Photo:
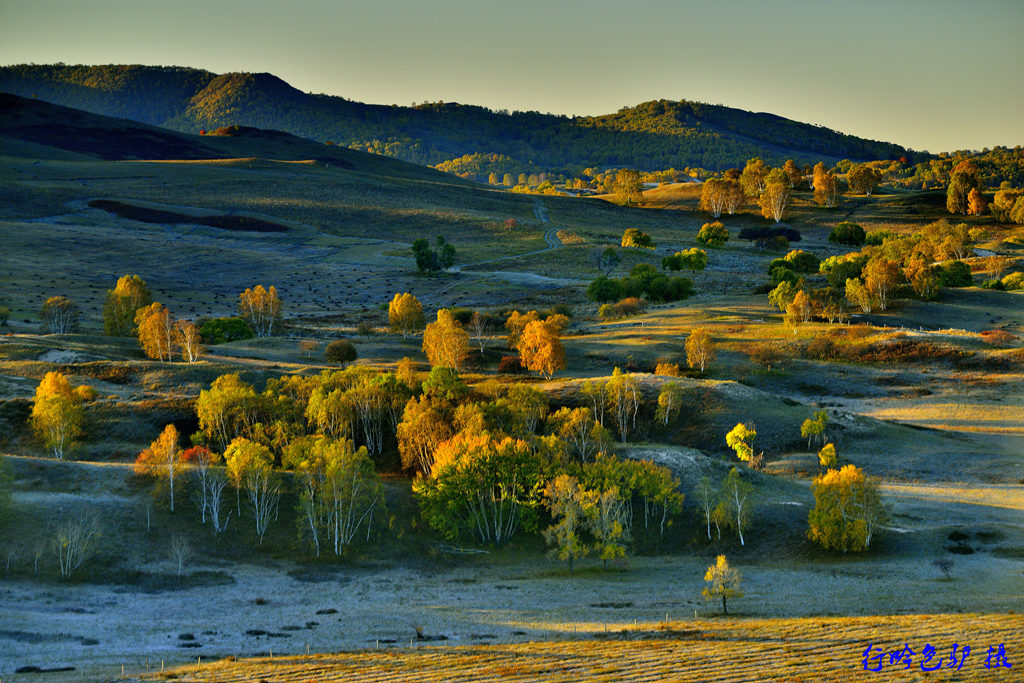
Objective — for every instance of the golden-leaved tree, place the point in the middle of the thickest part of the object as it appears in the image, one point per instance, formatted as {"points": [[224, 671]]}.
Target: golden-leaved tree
{"points": [[540, 348], [445, 342], [405, 314], [847, 510], [156, 331], [700, 350], [128, 295], [250, 469], [57, 414], [723, 581]]}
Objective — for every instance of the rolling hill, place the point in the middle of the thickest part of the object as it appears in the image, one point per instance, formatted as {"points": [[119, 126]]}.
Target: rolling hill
{"points": [[653, 135]]}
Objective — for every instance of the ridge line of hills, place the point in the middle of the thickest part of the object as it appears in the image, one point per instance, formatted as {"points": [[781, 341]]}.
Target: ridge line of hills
{"points": [[653, 135]]}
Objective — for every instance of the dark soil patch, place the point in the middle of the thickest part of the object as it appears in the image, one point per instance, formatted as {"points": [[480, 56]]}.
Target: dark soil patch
{"points": [[145, 215]]}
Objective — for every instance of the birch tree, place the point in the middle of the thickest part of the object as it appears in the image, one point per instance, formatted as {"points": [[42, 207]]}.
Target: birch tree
{"points": [[163, 459], [261, 309], [737, 494], [250, 469]]}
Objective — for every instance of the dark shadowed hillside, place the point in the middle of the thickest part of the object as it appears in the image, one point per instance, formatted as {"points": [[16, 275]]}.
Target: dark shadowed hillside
{"points": [[653, 135]]}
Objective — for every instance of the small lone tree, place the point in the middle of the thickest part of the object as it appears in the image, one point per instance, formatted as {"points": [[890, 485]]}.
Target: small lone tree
{"points": [[741, 439], [261, 309], [700, 350], [713, 234], [181, 550], [57, 414], [737, 499], [340, 351], [634, 238], [73, 543], [722, 581], [827, 457], [59, 314], [847, 510]]}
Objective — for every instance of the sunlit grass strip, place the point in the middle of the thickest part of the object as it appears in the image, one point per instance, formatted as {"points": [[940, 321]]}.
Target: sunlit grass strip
{"points": [[804, 649]]}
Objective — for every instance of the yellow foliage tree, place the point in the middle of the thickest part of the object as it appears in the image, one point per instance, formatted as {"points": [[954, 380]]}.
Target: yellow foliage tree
{"points": [[445, 342], [156, 331], [700, 350], [261, 308], [128, 295], [57, 415], [250, 468], [186, 336], [541, 349], [722, 581], [741, 439], [847, 510], [422, 429], [405, 314]]}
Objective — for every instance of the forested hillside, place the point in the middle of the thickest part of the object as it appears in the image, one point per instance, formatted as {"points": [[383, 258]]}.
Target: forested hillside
{"points": [[653, 135]]}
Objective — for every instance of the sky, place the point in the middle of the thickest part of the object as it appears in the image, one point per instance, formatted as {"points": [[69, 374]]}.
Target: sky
{"points": [[936, 75]]}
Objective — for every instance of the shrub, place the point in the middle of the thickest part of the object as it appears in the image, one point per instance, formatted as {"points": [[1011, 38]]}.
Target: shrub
{"points": [[630, 306], [802, 261], [462, 315], [876, 237], [222, 330], [847, 233], [510, 365], [668, 369], [340, 351], [993, 284], [607, 312], [955, 274], [604, 289], [783, 274], [1013, 281], [713, 234], [633, 238], [998, 337], [776, 243], [769, 355]]}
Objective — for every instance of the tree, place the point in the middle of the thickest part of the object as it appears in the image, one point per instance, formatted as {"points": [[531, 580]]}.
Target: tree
{"points": [[445, 342], [261, 309], [847, 233], [201, 461], [700, 350], [706, 497], [59, 315], [633, 238], [606, 514], [827, 457], [670, 399], [188, 340], [975, 202], [607, 260], [713, 196], [813, 428], [859, 295], [564, 500], [713, 234], [577, 427], [74, 543], [722, 581], [794, 175], [163, 459], [775, 196], [736, 495], [480, 328], [752, 180], [628, 186], [128, 295], [250, 468], [799, 310], [863, 179], [541, 349], [181, 550], [962, 181], [741, 439], [57, 414], [826, 186], [623, 392], [691, 259], [483, 487], [423, 428], [405, 314], [229, 408], [783, 294], [734, 197], [847, 510], [156, 331], [881, 275], [340, 351], [441, 257]]}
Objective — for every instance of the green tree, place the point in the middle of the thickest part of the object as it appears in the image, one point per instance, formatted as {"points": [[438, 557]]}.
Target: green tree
{"points": [[965, 177], [723, 581], [565, 502], [691, 259], [441, 257], [59, 315], [670, 400], [752, 180], [713, 234], [623, 397], [129, 294], [813, 428], [633, 238]]}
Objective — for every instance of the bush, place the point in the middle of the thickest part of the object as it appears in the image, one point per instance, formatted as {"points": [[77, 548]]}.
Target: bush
{"points": [[955, 274], [510, 365], [847, 233], [777, 243], [668, 369], [783, 274], [1013, 281], [340, 351], [604, 289], [607, 312], [633, 238], [462, 315], [222, 330], [630, 306], [993, 284], [802, 261], [876, 237], [713, 234]]}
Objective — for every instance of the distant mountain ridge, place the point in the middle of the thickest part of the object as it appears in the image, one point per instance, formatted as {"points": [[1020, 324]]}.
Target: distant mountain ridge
{"points": [[653, 135]]}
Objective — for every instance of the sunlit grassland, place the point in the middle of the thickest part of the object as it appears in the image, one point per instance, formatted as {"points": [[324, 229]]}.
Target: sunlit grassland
{"points": [[803, 649]]}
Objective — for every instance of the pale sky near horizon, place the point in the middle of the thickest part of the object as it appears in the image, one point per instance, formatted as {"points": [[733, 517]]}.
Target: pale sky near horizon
{"points": [[936, 75]]}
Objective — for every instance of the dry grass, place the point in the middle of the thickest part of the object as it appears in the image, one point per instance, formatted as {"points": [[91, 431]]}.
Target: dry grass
{"points": [[809, 649]]}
